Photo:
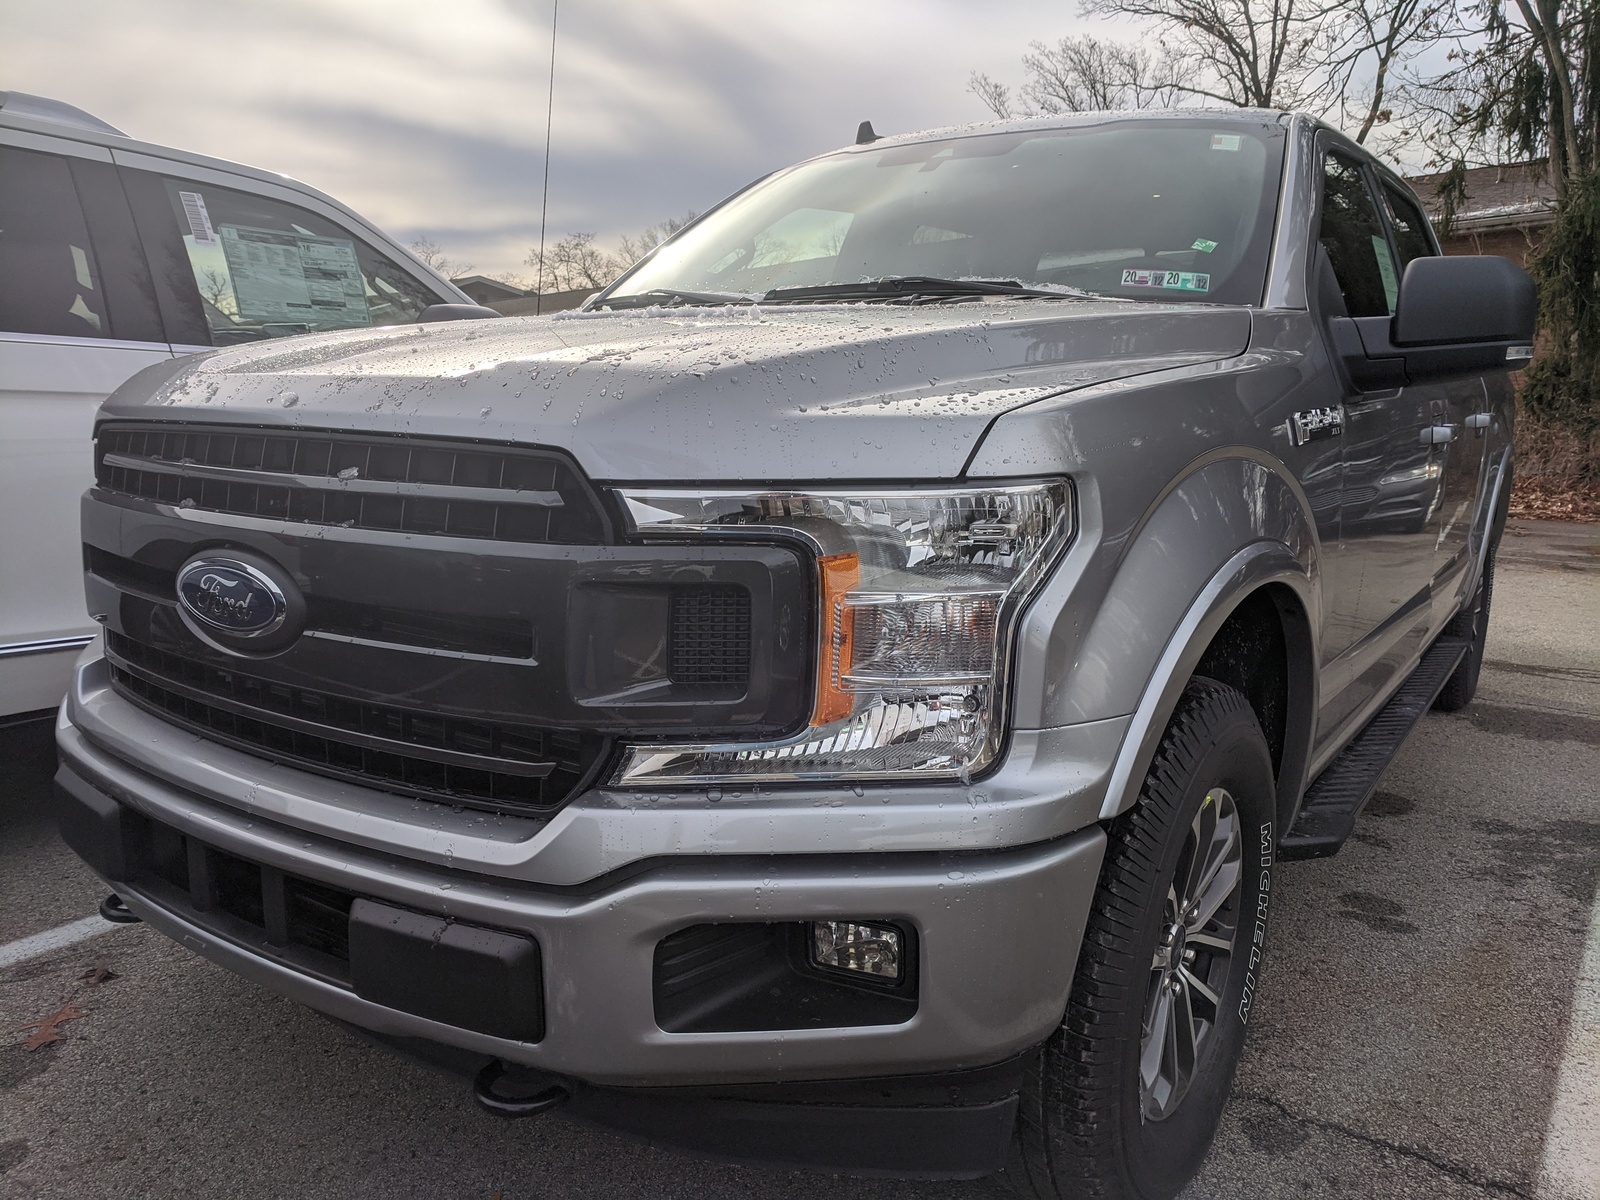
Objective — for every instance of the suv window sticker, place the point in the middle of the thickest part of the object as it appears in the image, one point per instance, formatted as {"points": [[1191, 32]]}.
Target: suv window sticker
{"points": [[281, 277]]}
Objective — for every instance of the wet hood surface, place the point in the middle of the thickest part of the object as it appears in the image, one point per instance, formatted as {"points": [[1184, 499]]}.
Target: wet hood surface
{"points": [[839, 392]]}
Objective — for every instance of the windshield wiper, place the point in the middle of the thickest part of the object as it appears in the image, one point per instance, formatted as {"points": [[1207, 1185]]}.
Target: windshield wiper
{"points": [[668, 297], [893, 287]]}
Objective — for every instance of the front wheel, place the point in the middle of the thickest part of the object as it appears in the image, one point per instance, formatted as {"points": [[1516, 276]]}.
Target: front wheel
{"points": [[1125, 1098]]}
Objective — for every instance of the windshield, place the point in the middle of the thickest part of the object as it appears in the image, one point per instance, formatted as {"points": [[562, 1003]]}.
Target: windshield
{"points": [[1145, 210]]}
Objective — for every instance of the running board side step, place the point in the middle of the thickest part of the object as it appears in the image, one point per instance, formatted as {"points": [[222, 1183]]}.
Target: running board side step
{"points": [[1332, 803]]}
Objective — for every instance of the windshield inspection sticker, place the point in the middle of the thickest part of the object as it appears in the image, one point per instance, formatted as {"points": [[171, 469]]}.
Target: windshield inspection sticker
{"points": [[1226, 141], [1204, 245], [1183, 281]]}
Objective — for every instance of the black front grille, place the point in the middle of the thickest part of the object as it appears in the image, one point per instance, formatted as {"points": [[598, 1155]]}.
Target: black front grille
{"points": [[461, 761], [500, 637], [504, 637], [364, 481], [709, 638]]}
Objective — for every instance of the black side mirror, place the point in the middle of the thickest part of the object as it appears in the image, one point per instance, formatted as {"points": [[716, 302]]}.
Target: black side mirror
{"points": [[456, 312], [1470, 298], [1461, 315]]}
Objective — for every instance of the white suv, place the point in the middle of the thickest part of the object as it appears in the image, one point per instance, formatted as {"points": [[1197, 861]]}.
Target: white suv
{"points": [[115, 255]]}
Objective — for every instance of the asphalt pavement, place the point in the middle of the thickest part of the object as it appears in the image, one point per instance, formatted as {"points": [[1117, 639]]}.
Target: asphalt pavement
{"points": [[1415, 1035]]}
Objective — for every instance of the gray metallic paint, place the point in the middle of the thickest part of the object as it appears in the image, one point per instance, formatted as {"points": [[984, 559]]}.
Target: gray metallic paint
{"points": [[998, 935], [1171, 420], [821, 394]]}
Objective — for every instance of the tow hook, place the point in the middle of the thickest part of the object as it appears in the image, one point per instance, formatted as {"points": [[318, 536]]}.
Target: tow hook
{"points": [[114, 910], [483, 1091]]}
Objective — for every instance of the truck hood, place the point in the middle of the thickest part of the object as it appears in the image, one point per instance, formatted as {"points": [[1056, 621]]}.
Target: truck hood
{"points": [[835, 392]]}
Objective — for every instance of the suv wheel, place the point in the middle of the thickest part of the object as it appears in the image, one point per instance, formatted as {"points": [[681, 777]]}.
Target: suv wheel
{"points": [[1124, 1099], [1472, 625]]}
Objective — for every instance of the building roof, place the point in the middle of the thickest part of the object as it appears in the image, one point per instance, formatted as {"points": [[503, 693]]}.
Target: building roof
{"points": [[1509, 196], [482, 283]]}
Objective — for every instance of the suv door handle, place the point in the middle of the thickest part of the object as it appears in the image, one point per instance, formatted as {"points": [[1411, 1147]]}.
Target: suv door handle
{"points": [[1438, 435], [1479, 422]]}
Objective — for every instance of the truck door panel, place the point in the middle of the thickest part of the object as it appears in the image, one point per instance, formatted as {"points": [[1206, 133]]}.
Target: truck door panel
{"points": [[1390, 492]]}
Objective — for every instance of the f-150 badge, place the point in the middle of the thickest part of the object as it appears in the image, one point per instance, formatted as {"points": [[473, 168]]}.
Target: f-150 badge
{"points": [[1315, 423]]}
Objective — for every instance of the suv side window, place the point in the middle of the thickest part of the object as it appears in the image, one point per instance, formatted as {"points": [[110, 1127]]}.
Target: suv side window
{"points": [[1355, 240], [49, 279], [260, 268], [1409, 225]]}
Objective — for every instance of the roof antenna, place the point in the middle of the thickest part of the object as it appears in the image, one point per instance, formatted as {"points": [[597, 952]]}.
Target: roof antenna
{"points": [[549, 113], [864, 134]]}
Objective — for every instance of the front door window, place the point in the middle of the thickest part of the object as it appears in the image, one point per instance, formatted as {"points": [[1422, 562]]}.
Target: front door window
{"points": [[264, 268]]}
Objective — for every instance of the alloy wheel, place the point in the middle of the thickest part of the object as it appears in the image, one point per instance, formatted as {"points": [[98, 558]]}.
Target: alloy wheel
{"points": [[1199, 929]]}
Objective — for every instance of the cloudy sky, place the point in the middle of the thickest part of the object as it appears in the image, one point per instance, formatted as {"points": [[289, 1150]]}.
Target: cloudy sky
{"points": [[428, 117]]}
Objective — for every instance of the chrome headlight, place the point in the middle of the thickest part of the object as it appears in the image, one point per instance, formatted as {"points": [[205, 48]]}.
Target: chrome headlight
{"points": [[918, 595]]}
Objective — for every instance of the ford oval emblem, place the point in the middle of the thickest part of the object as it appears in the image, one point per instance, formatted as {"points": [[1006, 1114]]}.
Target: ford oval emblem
{"points": [[232, 597]]}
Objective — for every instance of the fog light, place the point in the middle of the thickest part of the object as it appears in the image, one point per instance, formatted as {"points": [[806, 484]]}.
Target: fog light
{"points": [[850, 946]]}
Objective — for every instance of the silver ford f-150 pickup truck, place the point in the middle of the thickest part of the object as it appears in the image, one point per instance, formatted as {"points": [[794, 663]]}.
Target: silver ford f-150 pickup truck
{"points": [[840, 697]]}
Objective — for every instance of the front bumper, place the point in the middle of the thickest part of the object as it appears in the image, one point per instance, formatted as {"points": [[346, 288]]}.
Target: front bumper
{"points": [[997, 933]]}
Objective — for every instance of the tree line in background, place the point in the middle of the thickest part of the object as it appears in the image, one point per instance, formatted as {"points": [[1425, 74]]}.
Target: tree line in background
{"points": [[574, 262], [1461, 84]]}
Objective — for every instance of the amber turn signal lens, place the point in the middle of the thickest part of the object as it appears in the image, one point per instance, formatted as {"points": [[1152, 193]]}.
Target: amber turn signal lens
{"points": [[835, 648]]}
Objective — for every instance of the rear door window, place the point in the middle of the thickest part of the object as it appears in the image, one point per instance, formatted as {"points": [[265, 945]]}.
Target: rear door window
{"points": [[1409, 225], [50, 281], [1355, 240], [255, 267]]}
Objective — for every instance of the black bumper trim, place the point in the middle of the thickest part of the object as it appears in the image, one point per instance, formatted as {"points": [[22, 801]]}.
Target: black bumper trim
{"points": [[951, 1125], [485, 980]]}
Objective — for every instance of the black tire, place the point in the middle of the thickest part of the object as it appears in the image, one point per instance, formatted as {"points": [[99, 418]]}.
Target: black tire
{"points": [[1084, 1129], [1471, 624]]}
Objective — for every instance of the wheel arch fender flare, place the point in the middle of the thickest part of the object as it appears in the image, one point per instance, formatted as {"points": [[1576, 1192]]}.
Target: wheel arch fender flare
{"points": [[1260, 565]]}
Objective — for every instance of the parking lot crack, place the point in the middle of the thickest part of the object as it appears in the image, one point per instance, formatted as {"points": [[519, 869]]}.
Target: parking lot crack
{"points": [[1444, 1166]]}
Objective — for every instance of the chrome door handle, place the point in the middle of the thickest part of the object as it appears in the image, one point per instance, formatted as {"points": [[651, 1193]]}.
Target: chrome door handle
{"points": [[1438, 435], [1479, 422]]}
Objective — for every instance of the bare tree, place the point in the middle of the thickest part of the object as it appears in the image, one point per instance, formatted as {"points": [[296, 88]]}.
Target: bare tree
{"points": [[1341, 58], [216, 289], [632, 248], [996, 96], [1246, 52], [433, 255], [1080, 74], [1362, 48], [578, 261]]}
